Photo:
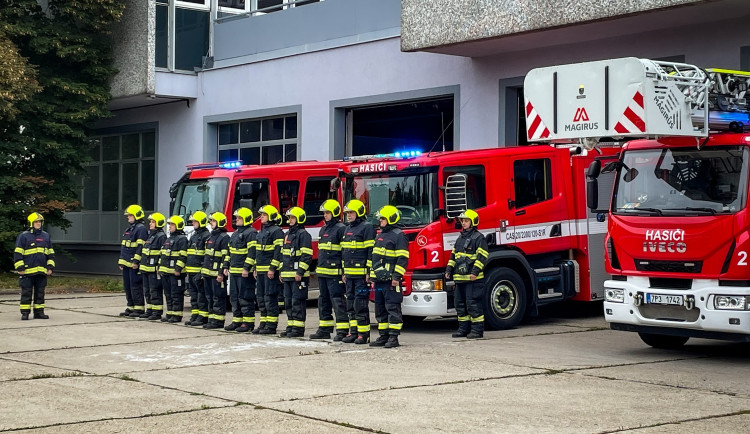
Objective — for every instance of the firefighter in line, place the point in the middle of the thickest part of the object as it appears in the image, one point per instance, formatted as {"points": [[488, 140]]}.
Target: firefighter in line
{"points": [[241, 285], [217, 247], [332, 296], [34, 260], [130, 258], [172, 267], [296, 253], [356, 251], [152, 285], [390, 256], [465, 267], [267, 261], [194, 280]]}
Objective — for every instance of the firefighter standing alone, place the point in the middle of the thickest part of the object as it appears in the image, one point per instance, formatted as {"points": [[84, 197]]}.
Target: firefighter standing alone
{"points": [[130, 258], [34, 259], [390, 256], [465, 266]]}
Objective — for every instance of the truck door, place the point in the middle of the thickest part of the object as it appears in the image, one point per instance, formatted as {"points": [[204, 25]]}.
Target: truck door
{"points": [[538, 219], [476, 199]]}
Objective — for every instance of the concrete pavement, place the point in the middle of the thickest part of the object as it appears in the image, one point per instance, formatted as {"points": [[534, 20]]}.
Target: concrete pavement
{"points": [[86, 369]]}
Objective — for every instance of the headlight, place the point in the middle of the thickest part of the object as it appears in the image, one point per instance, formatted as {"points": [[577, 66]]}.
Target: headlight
{"points": [[426, 285], [730, 302], [614, 295]]}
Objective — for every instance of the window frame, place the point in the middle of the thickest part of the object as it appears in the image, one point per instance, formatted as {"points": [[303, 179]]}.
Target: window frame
{"points": [[262, 144], [549, 185]]}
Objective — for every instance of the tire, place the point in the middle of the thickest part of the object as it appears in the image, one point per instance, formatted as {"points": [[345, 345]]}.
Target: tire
{"points": [[665, 342], [504, 300]]}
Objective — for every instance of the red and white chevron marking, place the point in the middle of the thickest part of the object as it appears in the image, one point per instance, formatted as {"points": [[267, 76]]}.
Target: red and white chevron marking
{"points": [[632, 120], [535, 128]]}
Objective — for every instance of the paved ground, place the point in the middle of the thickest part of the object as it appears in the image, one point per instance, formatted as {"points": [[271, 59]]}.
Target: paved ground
{"points": [[87, 370]]}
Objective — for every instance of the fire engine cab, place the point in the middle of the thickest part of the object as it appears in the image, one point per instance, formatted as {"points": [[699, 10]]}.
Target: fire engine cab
{"points": [[677, 221], [544, 244]]}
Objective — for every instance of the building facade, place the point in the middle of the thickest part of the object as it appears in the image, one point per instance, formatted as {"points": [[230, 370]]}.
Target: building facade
{"points": [[264, 81]]}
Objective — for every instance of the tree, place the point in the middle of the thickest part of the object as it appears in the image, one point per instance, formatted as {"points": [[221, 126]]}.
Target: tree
{"points": [[55, 68]]}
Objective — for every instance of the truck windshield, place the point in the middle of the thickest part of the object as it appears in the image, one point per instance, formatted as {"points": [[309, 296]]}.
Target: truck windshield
{"points": [[414, 195], [209, 195], [682, 181]]}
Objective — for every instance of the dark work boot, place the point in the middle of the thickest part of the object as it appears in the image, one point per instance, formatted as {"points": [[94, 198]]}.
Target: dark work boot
{"points": [[199, 321], [340, 335], [245, 327], [24, 316], [260, 327], [192, 318], [363, 338], [166, 318], [145, 314], [213, 324], [460, 334], [392, 342], [475, 335], [463, 329], [136, 314], [127, 312], [351, 337], [155, 315], [297, 332], [380, 341], [270, 329], [175, 318], [39, 314], [320, 334], [232, 326]]}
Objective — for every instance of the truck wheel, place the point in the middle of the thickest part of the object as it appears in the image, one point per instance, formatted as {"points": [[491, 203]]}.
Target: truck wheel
{"points": [[505, 299], [663, 341]]}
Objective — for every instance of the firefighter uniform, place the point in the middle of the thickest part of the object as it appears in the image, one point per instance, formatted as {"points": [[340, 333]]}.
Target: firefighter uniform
{"points": [[390, 256], [217, 248], [296, 254], [195, 254], [268, 258], [356, 250], [242, 284], [152, 285], [130, 256], [35, 258], [468, 259], [172, 269], [331, 299]]}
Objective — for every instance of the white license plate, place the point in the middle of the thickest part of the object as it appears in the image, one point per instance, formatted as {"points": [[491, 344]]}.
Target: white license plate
{"points": [[664, 299]]}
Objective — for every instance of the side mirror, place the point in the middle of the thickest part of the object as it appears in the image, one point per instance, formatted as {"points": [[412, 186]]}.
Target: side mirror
{"points": [[436, 213], [592, 185], [335, 185], [173, 191]]}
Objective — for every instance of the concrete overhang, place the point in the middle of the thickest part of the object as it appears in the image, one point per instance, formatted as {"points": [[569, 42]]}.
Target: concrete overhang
{"points": [[476, 28]]}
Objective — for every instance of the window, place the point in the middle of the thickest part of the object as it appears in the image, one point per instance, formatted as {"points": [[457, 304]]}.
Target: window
{"points": [[421, 125], [288, 192], [533, 181], [316, 192], [476, 191], [259, 141], [123, 172], [191, 20]]}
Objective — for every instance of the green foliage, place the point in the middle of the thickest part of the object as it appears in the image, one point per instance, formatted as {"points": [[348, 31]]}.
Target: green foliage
{"points": [[55, 68]]}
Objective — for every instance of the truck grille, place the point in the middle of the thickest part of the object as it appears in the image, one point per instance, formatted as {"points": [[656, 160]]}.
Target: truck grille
{"points": [[669, 313], [668, 266]]}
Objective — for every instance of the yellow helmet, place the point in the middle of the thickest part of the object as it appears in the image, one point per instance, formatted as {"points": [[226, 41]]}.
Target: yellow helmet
{"points": [[221, 219], [471, 215], [158, 219], [200, 217], [356, 206], [245, 214], [179, 222], [390, 213], [136, 211], [34, 216], [271, 212], [331, 206], [297, 213]]}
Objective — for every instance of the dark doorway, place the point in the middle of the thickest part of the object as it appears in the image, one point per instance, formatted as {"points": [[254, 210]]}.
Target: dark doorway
{"points": [[423, 125]]}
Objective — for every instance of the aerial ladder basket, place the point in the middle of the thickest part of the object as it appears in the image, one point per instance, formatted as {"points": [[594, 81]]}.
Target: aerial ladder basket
{"points": [[628, 98]]}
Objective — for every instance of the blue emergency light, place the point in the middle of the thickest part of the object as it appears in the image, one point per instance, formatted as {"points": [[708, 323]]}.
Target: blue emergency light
{"points": [[230, 164], [402, 154]]}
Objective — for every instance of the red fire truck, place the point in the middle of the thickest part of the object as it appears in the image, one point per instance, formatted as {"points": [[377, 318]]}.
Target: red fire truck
{"points": [[226, 186], [545, 245], [678, 229]]}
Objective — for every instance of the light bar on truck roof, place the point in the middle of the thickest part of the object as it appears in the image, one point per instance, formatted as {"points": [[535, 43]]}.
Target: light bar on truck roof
{"points": [[402, 154], [218, 165]]}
